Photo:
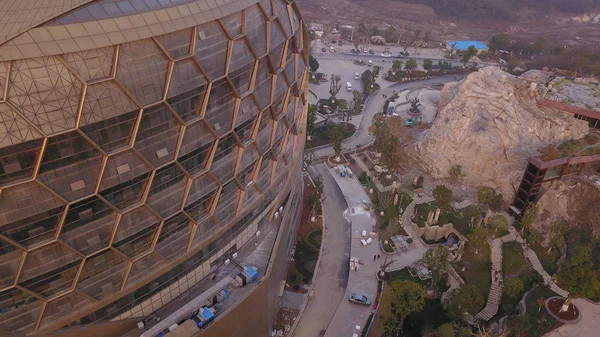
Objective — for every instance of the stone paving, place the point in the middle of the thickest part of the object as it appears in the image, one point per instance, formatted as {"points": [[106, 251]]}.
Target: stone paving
{"points": [[588, 326]]}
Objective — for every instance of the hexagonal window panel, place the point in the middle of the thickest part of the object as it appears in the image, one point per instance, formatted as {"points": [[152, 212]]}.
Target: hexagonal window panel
{"points": [[264, 82], [246, 118], [142, 68], [245, 172], [108, 116], [280, 95], [264, 172], [125, 179], [4, 75], [204, 230], [277, 44], [290, 64], [102, 274], [88, 226], [280, 167], [70, 166], [211, 49], [157, 135], [140, 268], [241, 66], [18, 161], [201, 196], [284, 16], [265, 131], [225, 158], [174, 236], [221, 104], [92, 64], [233, 23], [62, 307], [228, 200], [280, 133], [267, 6], [50, 270], [296, 22], [167, 189], [10, 258], [187, 90], [289, 149], [136, 231], [251, 196], [20, 310], [256, 29], [177, 44], [46, 93], [30, 214], [289, 111], [195, 149]]}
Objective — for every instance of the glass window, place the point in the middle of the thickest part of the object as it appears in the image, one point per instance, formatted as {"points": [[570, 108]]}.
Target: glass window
{"points": [[267, 6], [264, 173], [124, 179], [29, 213], [166, 191], [277, 44], [211, 49], [49, 270], [264, 83], [70, 166], [92, 64], [204, 230], [112, 133], [174, 236], [283, 15], [256, 29], [247, 165], [177, 44], [88, 225], [221, 103], [136, 232], [265, 131], [140, 268], [248, 111], [10, 258], [142, 68], [63, 306], [187, 90], [251, 195], [226, 207], [17, 161], [200, 197], [225, 158], [195, 147], [103, 101], [102, 274], [20, 310], [157, 135], [233, 23], [244, 131], [241, 66]]}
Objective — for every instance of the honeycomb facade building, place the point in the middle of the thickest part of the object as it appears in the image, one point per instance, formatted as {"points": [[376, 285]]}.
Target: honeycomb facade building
{"points": [[141, 142]]}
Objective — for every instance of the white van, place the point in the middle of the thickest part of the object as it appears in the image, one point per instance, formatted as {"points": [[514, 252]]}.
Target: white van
{"points": [[356, 76], [348, 86], [332, 49], [370, 63]]}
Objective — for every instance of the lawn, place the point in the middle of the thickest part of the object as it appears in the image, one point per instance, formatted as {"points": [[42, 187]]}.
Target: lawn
{"points": [[477, 269], [403, 274], [460, 219], [514, 265], [323, 135], [536, 321], [548, 260]]}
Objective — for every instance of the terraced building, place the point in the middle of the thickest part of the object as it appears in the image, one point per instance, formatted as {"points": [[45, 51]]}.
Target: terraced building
{"points": [[143, 143]]}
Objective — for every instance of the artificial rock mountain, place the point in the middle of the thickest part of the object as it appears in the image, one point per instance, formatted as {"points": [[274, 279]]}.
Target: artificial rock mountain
{"points": [[489, 123]]}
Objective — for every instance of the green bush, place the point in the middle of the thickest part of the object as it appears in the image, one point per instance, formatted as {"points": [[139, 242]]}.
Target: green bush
{"points": [[570, 146], [591, 139], [443, 195], [363, 178], [293, 278]]}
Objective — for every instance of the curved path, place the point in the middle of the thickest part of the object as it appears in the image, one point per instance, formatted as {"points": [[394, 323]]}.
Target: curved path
{"points": [[374, 105], [332, 275]]}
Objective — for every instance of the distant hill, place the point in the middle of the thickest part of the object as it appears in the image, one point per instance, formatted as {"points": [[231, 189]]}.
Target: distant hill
{"points": [[503, 9]]}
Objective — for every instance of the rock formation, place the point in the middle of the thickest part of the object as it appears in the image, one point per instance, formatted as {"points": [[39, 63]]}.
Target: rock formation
{"points": [[489, 123]]}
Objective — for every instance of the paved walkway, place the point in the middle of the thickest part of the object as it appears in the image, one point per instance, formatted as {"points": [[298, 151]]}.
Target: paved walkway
{"points": [[589, 326], [332, 274]]}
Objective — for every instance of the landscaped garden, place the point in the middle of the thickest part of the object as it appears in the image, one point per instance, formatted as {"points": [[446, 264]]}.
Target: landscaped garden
{"points": [[323, 135], [536, 321], [475, 268]]}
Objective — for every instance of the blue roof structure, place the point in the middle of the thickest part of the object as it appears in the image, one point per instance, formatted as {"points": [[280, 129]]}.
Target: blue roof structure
{"points": [[207, 314], [464, 45], [252, 272]]}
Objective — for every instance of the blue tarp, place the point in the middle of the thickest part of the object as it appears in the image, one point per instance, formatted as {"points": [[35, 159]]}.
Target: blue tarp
{"points": [[390, 110], [464, 45], [206, 314], [253, 273]]}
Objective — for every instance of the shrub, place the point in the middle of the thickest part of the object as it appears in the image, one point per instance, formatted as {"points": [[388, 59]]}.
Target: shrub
{"points": [[419, 182], [442, 194], [570, 146], [514, 287], [455, 172], [409, 240], [293, 278], [363, 178], [591, 138], [296, 287]]}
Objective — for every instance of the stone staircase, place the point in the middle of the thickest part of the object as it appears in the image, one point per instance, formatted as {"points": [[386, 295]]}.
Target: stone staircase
{"points": [[491, 308]]}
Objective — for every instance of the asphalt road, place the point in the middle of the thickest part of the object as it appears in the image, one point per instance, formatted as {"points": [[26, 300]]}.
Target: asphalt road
{"points": [[332, 272], [362, 137], [353, 57]]}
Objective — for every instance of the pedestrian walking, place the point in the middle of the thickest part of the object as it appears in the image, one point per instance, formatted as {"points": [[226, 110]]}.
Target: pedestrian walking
{"points": [[378, 257], [374, 257]]}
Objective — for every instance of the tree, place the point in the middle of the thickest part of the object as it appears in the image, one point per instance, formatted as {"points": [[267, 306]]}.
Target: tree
{"points": [[374, 74], [313, 63], [311, 118], [443, 195], [485, 195], [498, 222], [410, 65], [308, 159], [455, 172], [467, 298], [407, 297], [514, 287], [335, 85], [337, 136], [529, 217], [468, 54], [500, 42], [397, 65], [366, 79], [357, 99], [558, 229], [577, 276], [427, 65], [389, 151], [379, 129], [478, 237], [436, 260], [445, 330]]}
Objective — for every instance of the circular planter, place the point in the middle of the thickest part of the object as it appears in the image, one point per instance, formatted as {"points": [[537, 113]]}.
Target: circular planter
{"points": [[569, 316]]}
